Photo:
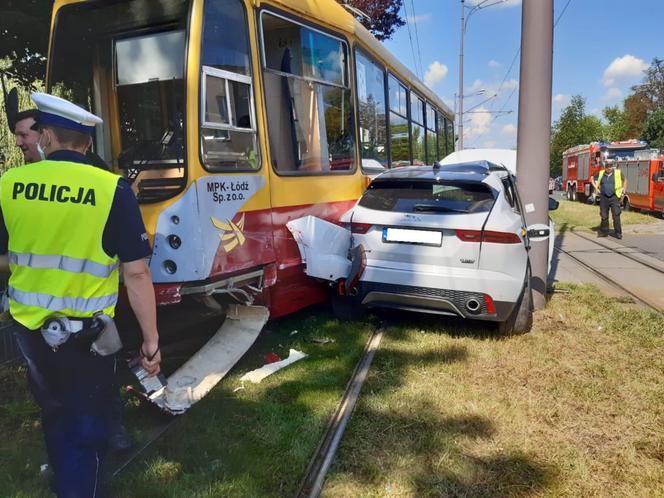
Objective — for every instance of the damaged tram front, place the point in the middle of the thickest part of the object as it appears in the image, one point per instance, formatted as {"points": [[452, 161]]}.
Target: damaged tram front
{"points": [[232, 117]]}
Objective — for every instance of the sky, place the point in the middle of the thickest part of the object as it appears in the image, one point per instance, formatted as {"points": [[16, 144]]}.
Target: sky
{"points": [[601, 48]]}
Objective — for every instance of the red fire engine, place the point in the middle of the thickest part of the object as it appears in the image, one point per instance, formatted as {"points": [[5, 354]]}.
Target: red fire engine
{"points": [[582, 162], [645, 181]]}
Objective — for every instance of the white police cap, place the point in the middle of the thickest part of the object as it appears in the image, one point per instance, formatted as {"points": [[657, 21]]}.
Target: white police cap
{"points": [[60, 112]]}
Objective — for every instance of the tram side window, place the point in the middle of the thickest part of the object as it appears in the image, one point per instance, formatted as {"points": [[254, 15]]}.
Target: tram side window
{"points": [[308, 99], [432, 149], [417, 129], [450, 136], [228, 120], [441, 131], [372, 111], [399, 139]]}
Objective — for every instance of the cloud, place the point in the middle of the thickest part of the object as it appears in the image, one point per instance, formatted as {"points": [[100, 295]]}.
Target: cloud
{"points": [[612, 93], [421, 18], [493, 88], [561, 99], [494, 64], [504, 3], [623, 68], [489, 144], [436, 72], [509, 129], [480, 122]]}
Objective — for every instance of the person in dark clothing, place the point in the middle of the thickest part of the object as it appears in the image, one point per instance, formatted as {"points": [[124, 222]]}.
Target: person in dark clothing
{"points": [[611, 187]]}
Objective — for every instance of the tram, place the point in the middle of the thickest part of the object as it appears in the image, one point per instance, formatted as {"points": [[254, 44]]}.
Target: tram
{"points": [[231, 118]]}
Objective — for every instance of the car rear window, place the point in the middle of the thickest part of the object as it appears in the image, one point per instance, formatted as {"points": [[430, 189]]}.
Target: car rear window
{"points": [[428, 197]]}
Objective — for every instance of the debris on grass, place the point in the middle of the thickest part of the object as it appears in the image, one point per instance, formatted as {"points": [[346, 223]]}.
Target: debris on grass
{"points": [[256, 376], [294, 332], [271, 358], [321, 340]]}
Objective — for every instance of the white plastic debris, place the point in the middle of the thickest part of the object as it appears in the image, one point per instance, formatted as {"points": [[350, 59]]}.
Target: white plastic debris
{"points": [[294, 332], [323, 247], [259, 374]]}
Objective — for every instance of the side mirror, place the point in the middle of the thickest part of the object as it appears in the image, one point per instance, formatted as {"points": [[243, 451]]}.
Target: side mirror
{"points": [[553, 204]]}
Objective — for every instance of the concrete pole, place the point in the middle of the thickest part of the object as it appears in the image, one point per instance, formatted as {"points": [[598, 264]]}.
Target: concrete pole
{"points": [[460, 127], [535, 129]]}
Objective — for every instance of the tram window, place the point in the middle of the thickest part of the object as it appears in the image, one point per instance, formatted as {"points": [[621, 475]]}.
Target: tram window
{"points": [[432, 153], [399, 137], [450, 136], [417, 129], [307, 92], [441, 129], [228, 129], [371, 109]]}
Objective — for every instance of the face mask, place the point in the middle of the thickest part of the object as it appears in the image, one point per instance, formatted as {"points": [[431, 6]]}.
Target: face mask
{"points": [[40, 150]]}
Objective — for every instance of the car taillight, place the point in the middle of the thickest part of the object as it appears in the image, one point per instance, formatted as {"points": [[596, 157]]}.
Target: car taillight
{"points": [[488, 236], [360, 227], [490, 308]]}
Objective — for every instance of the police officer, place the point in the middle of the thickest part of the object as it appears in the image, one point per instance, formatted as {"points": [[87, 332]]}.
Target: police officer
{"points": [[611, 187], [26, 135], [67, 230]]}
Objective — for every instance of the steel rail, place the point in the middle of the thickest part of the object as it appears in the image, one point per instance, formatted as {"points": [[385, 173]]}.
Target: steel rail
{"points": [[615, 250], [319, 465], [643, 301]]}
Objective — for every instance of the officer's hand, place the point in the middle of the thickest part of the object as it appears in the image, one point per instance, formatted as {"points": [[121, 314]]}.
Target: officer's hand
{"points": [[150, 359]]}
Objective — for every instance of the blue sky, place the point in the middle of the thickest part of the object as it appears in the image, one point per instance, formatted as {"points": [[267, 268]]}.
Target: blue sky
{"points": [[600, 50]]}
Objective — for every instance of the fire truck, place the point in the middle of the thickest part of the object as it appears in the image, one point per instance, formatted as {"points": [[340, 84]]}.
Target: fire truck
{"points": [[645, 181], [582, 162]]}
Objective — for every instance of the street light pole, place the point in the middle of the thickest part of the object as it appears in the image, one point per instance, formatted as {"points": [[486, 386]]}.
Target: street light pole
{"points": [[461, 31]]}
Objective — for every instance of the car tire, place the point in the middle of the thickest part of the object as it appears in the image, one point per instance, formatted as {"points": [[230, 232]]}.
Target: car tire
{"points": [[626, 205], [347, 309], [520, 320]]}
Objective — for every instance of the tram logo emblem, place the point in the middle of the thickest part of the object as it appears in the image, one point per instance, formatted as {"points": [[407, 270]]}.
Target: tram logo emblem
{"points": [[232, 236]]}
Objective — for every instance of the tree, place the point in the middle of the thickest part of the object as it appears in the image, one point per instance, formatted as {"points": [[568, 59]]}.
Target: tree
{"points": [[573, 128], [384, 16], [651, 90], [616, 127], [653, 131], [24, 28]]}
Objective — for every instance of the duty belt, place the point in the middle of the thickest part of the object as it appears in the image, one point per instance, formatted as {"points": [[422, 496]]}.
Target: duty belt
{"points": [[58, 329]]}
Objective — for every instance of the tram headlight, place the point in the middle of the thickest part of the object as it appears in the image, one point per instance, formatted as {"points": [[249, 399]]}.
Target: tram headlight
{"points": [[174, 241], [170, 266]]}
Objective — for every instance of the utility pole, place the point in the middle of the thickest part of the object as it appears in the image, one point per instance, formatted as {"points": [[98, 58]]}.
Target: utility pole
{"points": [[535, 130], [461, 32]]}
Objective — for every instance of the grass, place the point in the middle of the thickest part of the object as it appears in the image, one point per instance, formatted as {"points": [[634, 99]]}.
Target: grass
{"points": [[580, 215], [573, 409], [252, 442], [576, 408]]}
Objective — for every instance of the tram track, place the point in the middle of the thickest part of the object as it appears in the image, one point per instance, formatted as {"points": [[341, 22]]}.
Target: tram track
{"points": [[643, 300]]}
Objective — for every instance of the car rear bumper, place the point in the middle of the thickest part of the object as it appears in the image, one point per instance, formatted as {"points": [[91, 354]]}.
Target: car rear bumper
{"points": [[450, 293]]}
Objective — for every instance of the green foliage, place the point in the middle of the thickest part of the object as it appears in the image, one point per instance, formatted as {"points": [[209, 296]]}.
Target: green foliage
{"points": [[574, 127], [653, 131], [616, 127], [24, 25], [384, 16]]}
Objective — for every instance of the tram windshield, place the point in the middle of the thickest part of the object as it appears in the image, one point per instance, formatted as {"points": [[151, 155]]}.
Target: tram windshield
{"points": [[125, 62]]}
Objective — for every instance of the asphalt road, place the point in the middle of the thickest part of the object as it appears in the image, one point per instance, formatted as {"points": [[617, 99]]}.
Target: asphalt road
{"points": [[650, 244]]}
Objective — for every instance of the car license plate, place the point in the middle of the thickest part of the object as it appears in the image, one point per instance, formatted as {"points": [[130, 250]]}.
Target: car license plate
{"points": [[409, 236]]}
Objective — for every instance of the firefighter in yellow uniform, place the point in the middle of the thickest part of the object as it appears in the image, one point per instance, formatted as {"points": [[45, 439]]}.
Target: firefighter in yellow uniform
{"points": [[67, 230]]}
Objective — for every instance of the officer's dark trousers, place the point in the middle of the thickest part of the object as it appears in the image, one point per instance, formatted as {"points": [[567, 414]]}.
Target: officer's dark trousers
{"points": [[612, 203], [74, 390]]}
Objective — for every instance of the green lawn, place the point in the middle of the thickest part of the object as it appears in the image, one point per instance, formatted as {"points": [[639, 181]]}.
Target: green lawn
{"points": [[575, 408], [255, 442], [580, 215]]}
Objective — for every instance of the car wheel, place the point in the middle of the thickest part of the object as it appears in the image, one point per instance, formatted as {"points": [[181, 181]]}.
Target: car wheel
{"points": [[626, 205], [520, 320], [347, 308]]}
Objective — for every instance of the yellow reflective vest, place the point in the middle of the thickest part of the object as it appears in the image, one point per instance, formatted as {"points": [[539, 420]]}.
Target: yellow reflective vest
{"points": [[618, 181], [55, 213]]}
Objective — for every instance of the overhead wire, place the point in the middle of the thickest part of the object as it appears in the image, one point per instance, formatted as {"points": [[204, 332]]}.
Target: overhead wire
{"points": [[509, 70], [410, 38], [417, 38]]}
